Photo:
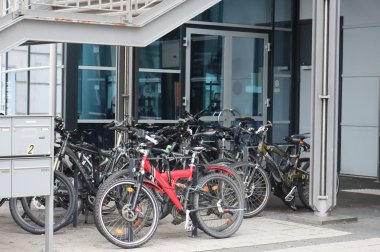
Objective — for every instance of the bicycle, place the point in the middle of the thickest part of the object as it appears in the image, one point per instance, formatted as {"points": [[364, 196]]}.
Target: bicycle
{"points": [[287, 176], [136, 209]]}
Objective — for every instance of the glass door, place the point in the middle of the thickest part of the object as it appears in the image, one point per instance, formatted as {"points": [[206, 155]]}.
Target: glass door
{"points": [[207, 74], [226, 70]]}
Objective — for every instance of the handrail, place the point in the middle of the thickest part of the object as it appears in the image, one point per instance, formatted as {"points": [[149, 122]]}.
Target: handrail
{"points": [[126, 8]]}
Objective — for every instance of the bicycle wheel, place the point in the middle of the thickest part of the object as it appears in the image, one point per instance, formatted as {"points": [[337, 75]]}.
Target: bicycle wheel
{"points": [[303, 186], [225, 168], [117, 222], [227, 117], [256, 188], [64, 200], [22, 219], [219, 206], [164, 205]]}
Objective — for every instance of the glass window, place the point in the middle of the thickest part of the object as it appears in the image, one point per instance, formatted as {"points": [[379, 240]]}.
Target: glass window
{"points": [[17, 93], [159, 96], [282, 88], [39, 91], [283, 13], [18, 58], [245, 12], [282, 52], [98, 55], [103, 138], [164, 53], [96, 94], [282, 84], [206, 74], [159, 89], [247, 76]]}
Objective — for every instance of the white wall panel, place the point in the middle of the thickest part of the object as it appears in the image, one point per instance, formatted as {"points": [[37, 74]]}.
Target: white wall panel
{"points": [[360, 150], [359, 12], [361, 51], [360, 101]]}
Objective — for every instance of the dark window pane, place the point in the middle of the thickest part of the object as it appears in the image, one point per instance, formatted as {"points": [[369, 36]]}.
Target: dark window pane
{"points": [[100, 136], [206, 80], [245, 12], [159, 96]]}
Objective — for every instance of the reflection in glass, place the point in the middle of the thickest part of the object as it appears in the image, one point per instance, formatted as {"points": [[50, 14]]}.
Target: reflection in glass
{"points": [[98, 55], [206, 74], [282, 52], [247, 76], [159, 96], [17, 93], [161, 54], [39, 91], [96, 94], [245, 12], [18, 58], [283, 13], [101, 137]]}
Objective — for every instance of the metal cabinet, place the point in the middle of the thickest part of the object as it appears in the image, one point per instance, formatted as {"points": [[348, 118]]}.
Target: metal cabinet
{"points": [[26, 155], [31, 176]]}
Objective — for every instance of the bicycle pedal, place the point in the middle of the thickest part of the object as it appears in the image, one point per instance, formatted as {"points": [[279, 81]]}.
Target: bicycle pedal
{"points": [[289, 197]]}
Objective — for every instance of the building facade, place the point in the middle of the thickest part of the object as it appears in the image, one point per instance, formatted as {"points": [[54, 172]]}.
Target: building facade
{"points": [[253, 56]]}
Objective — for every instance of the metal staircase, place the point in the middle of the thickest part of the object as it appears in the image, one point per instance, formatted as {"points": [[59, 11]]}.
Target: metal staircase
{"points": [[107, 22]]}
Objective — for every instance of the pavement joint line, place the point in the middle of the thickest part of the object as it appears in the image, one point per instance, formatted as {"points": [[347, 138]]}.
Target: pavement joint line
{"points": [[363, 191], [355, 245]]}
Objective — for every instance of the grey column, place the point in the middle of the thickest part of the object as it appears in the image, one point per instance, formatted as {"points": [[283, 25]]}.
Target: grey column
{"points": [[324, 111]]}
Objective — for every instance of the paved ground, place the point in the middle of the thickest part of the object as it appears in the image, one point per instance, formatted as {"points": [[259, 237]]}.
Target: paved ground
{"points": [[271, 231]]}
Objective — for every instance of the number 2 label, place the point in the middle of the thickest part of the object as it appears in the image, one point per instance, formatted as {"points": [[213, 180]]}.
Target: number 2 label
{"points": [[30, 150]]}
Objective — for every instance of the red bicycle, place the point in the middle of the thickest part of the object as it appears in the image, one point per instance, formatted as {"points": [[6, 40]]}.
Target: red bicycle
{"points": [[127, 212]]}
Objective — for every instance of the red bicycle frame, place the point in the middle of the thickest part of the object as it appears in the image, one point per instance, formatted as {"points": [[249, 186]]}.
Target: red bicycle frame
{"points": [[162, 178]]}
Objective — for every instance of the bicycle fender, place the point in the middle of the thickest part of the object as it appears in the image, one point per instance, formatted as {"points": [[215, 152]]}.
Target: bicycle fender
{"points": [[219, 168], [152, 185]]}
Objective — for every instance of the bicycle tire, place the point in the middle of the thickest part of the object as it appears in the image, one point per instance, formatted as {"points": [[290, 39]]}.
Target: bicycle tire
{"points": [[64, 200], [229, 217], [223, 167], [256, 188], [120, 235], [303, 187], [22, 220], [165, 205]]}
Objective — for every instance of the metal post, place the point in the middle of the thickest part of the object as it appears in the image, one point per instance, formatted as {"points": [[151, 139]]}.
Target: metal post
{"points": [[49, 215], [325, 80]]}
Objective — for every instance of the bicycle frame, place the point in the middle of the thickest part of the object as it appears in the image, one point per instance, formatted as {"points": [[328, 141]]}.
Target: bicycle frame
{"points": [[162, 178]]}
